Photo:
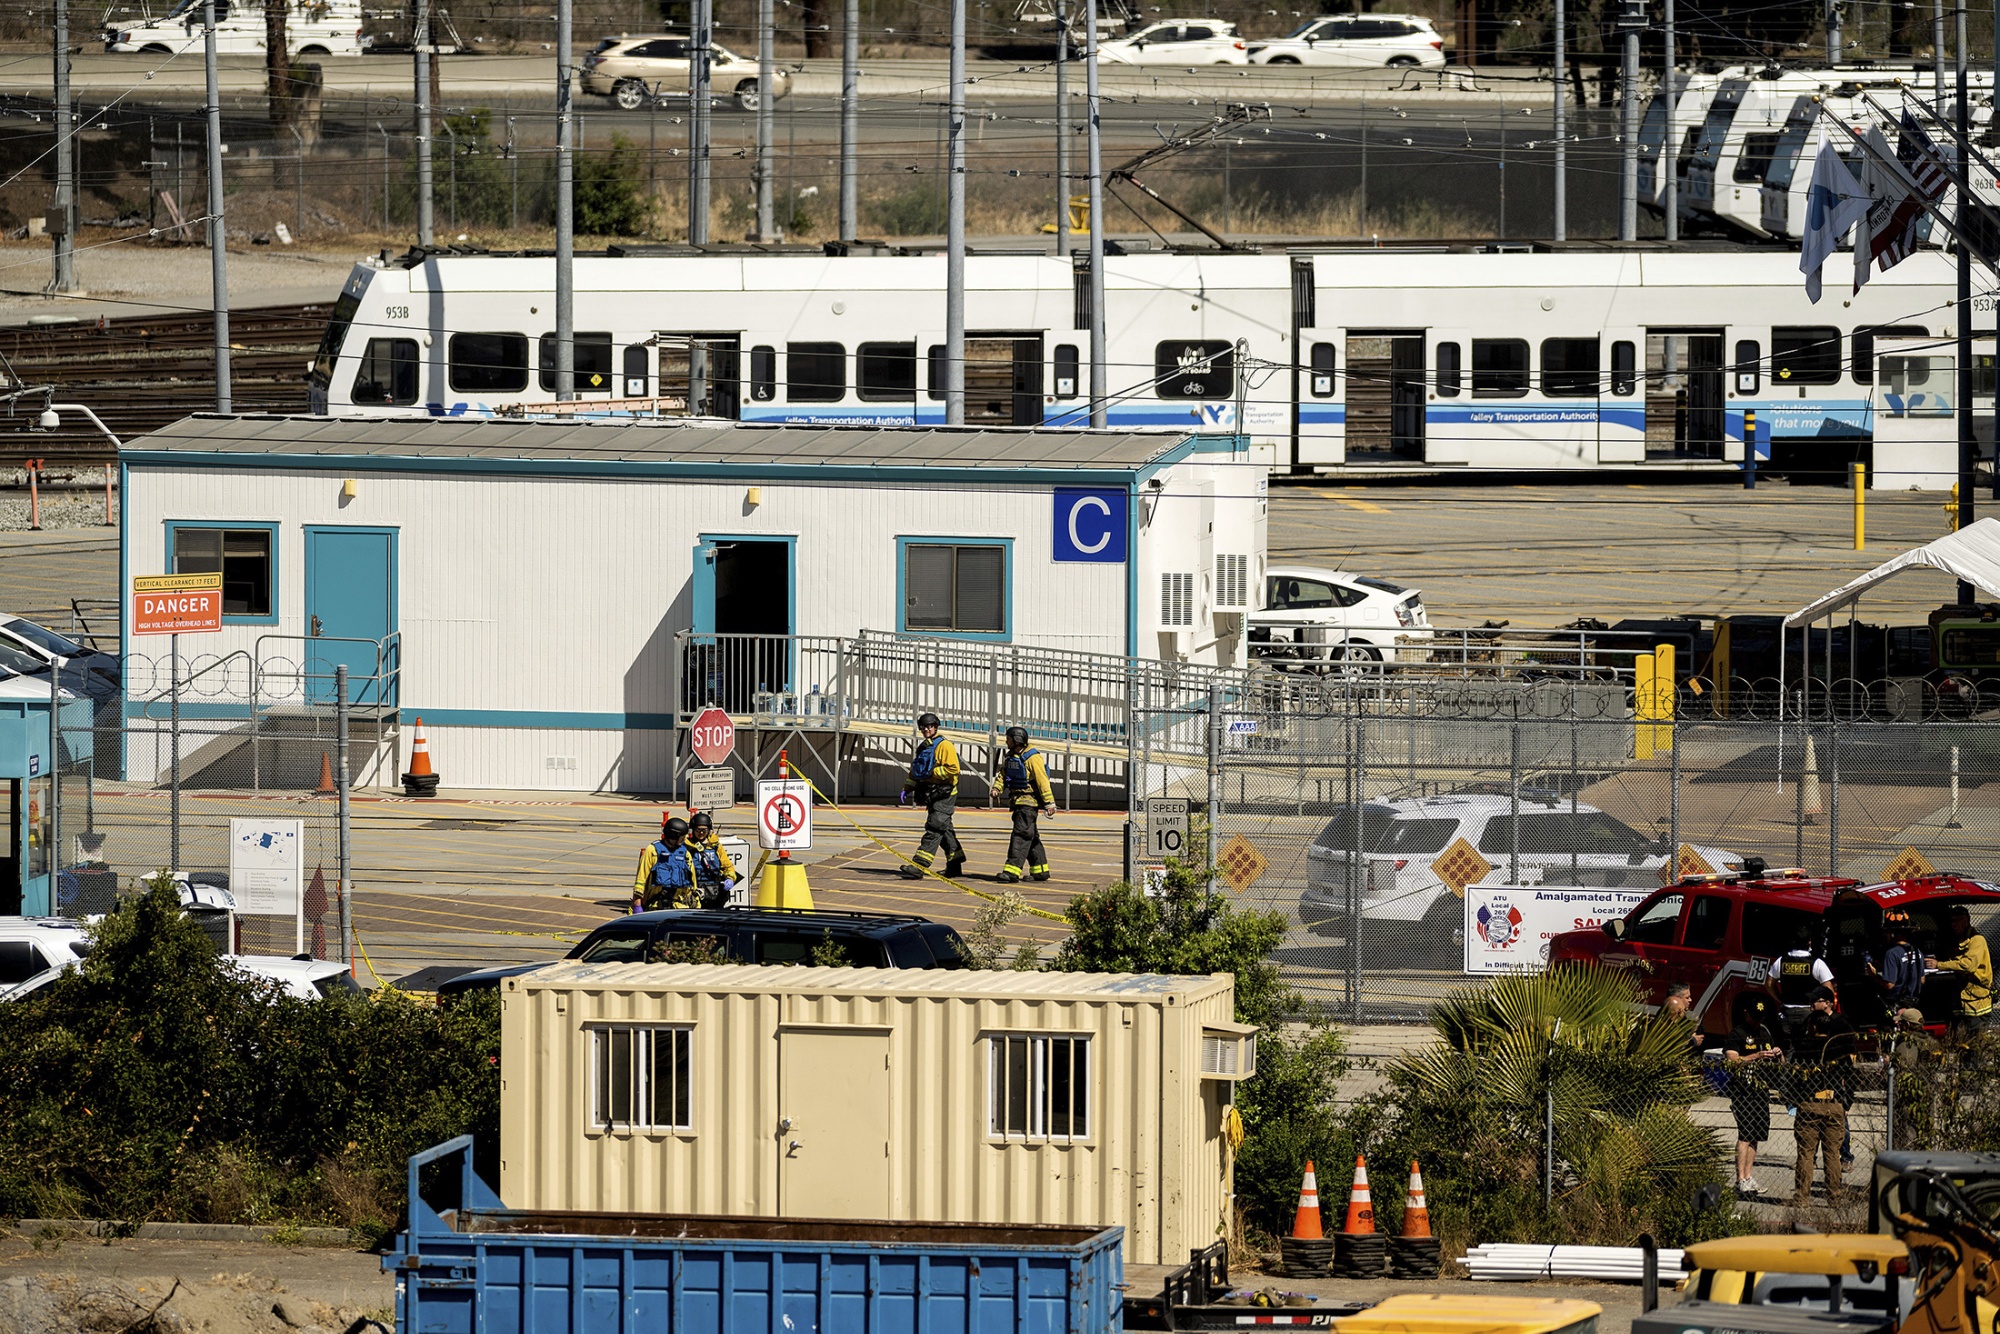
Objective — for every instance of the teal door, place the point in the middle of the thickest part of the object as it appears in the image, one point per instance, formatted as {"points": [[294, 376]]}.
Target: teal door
{"points": [[351, 612]]}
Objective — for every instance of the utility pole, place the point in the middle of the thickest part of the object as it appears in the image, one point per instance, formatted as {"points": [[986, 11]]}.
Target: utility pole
{"points": [[1062, 127], [1669, 169], [1937, 60], [702, 40], [218, 255], [565, 213], [766, 231], [1968, 439], [850, 121], [1629, 21], [1833, 42], [63, 234], [1094, 109], [1561, 68], [420, 64], [954, 228]]}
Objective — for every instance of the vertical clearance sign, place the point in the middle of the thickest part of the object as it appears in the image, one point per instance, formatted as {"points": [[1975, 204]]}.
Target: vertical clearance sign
{"points": [[176, 604]]}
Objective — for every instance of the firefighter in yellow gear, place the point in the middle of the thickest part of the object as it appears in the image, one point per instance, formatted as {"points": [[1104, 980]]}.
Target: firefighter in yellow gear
{"points": [[715, 873], [933, 781], [666, 870], [1026, 781]]}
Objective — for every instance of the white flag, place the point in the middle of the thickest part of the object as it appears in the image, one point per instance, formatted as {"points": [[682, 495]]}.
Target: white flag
{"points": [[1834, 202]]}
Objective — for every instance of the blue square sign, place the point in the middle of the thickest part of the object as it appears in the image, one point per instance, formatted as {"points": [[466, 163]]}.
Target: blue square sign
{"points": [[1090, 526]]}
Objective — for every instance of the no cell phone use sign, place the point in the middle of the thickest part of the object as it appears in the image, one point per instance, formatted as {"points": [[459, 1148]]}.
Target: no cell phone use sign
{"points": [[784, 815], [176, 604]]}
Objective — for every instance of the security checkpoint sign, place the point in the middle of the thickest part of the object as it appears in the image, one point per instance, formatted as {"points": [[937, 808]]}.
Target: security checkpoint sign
{"points": [[176, 604], [1090, 526], [784, 815], [713, 736], [711, 789]]}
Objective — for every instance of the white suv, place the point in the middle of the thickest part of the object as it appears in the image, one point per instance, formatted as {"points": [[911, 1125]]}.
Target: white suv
{"points": [[1357, 41], [1317, 618], [1178, 42], [1415, 872], [29, 945]]}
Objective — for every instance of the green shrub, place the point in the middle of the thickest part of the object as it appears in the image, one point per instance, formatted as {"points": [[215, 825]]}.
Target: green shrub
{"points": [[609, 198]]}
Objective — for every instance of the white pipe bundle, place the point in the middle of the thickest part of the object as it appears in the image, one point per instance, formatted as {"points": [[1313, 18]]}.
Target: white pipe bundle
{"points": [[1512, 1262]]}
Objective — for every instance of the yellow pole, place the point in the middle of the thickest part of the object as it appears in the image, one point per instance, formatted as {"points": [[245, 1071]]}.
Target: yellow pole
{"points": [[1644, 705], [1951, 507], [1859, 473], [1666, 697]]}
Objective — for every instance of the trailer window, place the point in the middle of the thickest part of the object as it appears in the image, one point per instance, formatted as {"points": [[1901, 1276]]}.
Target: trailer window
{"points": [[815, 372], [489, 363], [1038, 1088], [886, 372], [955, 589], [1499, 367], [1448, 372], [388, 373], [642, 1077], [1569, 367], [1863, 363], [1807, 355], [242, 556]]}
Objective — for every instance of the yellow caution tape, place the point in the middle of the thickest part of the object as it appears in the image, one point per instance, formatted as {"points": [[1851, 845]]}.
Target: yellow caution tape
{"points": [[942, 879]]}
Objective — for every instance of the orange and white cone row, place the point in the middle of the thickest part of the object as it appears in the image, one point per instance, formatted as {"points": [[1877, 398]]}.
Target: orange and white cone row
{"points": [[1360, 1205], [1416, 1214], [1306, 1223]]}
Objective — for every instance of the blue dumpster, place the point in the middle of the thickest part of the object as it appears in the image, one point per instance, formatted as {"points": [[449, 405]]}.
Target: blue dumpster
{"points": [[482, 1268]]}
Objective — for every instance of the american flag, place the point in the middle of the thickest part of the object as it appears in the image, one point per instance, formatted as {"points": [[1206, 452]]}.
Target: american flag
{"points": [[1918, 155]]}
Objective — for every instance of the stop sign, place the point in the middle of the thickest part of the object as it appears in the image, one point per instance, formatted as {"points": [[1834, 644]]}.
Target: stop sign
{"points": [[713, 736]]}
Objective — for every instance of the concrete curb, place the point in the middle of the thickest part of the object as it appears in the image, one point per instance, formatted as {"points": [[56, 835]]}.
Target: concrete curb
{"points": [[108, 1228]]}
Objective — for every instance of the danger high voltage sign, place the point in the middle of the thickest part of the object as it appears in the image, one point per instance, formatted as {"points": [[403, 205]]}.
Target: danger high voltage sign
{"points": [[176, 604]]}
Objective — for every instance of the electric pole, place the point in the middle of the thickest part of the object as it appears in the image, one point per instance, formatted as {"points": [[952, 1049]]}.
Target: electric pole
{"points": [[420, 64], [62, 232], [218, 255], [565, 213]]}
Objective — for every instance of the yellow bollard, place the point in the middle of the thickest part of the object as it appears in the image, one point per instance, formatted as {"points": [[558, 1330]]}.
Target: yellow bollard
{"points": [[1665, 698], [1858, 473], [1951, 507], [1644, 701], [783, 885]]}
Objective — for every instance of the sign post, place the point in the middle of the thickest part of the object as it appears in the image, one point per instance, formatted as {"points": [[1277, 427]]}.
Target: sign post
{"points": [[267, 870], [784, 824], [174, 605]]}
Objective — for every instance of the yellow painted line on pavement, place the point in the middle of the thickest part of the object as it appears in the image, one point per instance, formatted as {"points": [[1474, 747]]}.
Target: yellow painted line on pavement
{"points": [[1366, 507]]}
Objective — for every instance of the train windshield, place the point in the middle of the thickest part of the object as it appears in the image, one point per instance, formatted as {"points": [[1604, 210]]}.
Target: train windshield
{"points": [[336, 334], [1791, 147]]}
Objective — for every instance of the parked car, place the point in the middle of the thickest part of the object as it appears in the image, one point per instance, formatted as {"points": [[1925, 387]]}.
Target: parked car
{"points": [[629, 70], [1317, 618], [1721, 935], [298, 976], [753, 935], [1178, 42], [1411, 895], [82, 671], [324, 28], [31, 945], [25, 677], [1357, 41]]}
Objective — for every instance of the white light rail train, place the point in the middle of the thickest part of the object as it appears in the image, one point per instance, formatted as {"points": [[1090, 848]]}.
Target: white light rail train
{"points": [[1413, 360]]}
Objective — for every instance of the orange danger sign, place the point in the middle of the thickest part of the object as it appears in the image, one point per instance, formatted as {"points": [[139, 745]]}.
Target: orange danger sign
{"points": [[176, 604]]}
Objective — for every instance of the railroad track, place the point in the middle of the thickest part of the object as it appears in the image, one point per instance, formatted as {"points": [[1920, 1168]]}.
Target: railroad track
{"points": [[140, 373]]}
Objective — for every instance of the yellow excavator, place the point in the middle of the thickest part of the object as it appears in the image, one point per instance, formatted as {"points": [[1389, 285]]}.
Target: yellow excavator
{"points": [[1930, 1264]]}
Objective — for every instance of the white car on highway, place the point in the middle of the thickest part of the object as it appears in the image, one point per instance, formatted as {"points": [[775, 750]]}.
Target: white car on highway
{"points": [[1178, 42], [1317, 618], [1357, 41], [325, 28]]}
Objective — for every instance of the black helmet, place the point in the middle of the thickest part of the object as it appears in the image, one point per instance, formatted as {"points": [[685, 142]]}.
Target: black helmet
{"points": [[1017, 736], [701, 820], [676, 827], [928, 720]]}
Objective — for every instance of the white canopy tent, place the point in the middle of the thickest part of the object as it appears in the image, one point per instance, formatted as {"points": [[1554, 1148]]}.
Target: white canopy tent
{"points": [[1971, 554]]}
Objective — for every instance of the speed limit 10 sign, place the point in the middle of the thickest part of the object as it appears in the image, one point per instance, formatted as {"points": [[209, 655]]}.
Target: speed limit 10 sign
{"points": [[1166, 826]]}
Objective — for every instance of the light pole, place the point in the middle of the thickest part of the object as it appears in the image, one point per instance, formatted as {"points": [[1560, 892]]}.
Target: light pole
{"points": [[51, 418]]}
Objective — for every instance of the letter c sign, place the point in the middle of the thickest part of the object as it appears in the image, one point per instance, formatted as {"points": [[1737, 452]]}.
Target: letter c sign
{"points": [[1090, 526]]}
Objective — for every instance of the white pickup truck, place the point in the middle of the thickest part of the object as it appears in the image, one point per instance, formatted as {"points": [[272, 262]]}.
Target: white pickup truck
{"points": [[313, 28]]}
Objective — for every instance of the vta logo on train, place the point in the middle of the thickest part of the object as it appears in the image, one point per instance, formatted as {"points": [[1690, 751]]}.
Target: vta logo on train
{"points": [[1499, 922]]}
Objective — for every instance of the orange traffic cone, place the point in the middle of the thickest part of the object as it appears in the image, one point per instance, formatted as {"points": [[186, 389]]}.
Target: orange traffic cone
{"points": [[325, 788], [1360, 1206], [420, 781], [1305, 1223], [1416, 1215]]}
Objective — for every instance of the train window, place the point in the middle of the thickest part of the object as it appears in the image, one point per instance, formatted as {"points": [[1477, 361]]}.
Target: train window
{"points": [[488, 363], [388, 373], [1499, 367], [934, 373], [1448, 370], [1322, 370], [1746, 366], [1805, 355], [815, 372], [1194, 368], [1066, 371], [1624, 368], [1864, 346], [763, 374], [886, 372], [590, 364], [636, 371], [1569, 367]]}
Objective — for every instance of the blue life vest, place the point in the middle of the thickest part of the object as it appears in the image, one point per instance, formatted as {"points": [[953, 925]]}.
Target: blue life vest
{"points": [[924, 763], [1015, 770], [672, 868], [707, 865]]}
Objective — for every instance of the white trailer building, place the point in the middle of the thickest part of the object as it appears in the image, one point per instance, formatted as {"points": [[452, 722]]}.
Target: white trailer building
{"points": [[521, 586]]}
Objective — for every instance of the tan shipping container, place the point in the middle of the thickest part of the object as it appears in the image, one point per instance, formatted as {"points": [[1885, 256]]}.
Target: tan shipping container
{"points": [[918, 1095]]}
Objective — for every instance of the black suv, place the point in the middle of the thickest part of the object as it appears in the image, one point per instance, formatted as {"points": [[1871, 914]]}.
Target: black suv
{"points": [[754, 935]]}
